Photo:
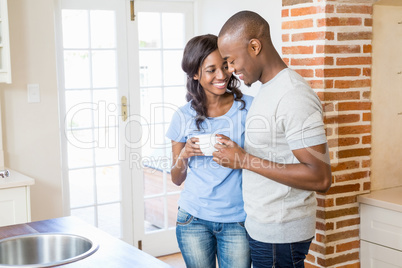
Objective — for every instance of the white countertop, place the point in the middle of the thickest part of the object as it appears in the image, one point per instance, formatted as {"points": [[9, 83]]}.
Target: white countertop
{"points": [[16, 179], [389, 198]]}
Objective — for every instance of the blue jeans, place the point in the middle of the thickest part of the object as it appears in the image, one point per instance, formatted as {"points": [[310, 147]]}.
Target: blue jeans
{"points": [[267, 255], [201, 242]]}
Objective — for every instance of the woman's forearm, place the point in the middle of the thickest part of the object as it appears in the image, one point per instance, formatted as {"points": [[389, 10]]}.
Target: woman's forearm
{"points": [[179, 170]]}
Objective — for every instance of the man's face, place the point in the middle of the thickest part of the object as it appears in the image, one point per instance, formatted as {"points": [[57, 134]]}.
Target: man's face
{"points": [[240, 61]]}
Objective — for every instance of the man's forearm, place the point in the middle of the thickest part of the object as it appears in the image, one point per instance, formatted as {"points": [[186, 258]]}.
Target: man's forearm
{"points": [[301, 175]]}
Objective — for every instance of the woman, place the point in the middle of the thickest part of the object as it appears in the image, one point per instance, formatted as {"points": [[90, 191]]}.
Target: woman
{"points": [[210, 220]]}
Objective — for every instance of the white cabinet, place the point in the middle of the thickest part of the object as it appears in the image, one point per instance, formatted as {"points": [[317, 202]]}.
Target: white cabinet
{"points": [[376, 256], [5, 62], [15, 203], [14, 206], [381, 229]]}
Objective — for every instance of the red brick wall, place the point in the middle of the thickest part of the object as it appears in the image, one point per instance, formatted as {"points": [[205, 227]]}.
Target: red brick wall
{"points": [[329, 43]]}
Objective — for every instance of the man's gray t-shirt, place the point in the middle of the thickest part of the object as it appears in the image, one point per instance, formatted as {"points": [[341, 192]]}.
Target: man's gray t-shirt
{"points": [[285, 115]]}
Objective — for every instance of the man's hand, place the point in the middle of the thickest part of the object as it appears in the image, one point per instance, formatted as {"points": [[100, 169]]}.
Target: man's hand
{"points": [[229, 153]]}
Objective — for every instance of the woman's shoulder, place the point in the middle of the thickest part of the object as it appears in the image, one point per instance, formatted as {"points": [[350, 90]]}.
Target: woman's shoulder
{"points": [[186, 110], [247, 98]]}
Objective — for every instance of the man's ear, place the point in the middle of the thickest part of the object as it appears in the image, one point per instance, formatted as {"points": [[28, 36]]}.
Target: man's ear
{"points": [[255, 46]]}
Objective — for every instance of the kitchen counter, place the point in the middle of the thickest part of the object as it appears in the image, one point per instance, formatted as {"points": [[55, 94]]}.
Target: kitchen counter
{"points": [[389, 198], [112, 252], [16, 179]]}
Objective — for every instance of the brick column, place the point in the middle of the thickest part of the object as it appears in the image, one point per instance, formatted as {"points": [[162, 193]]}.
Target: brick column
{"points": [[329, 43]]}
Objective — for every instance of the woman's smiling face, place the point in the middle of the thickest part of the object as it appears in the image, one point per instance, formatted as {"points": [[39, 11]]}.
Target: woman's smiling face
{"points": [[214, 75]]}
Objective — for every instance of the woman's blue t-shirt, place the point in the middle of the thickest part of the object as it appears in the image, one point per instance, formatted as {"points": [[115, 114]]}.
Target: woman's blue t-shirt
{"points": [[212, 192]]}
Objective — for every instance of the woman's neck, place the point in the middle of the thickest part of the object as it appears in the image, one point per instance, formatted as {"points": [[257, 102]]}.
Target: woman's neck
{"points": [[219, 105]]}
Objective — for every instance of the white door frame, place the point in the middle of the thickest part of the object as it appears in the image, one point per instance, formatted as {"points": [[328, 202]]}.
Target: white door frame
{"points": [[150, 243], [131, 173], [123, 88]]}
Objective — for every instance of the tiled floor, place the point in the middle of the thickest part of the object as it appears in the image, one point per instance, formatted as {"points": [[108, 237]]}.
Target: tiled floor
{"points": [[175, 260]]}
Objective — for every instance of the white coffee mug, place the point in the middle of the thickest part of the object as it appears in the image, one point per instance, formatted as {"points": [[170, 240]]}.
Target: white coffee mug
{"points": [[207, 142]]}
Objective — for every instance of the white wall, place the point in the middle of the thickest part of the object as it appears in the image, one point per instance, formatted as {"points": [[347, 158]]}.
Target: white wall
{"points": [[31, 130], [212, 14], [386, 96]]}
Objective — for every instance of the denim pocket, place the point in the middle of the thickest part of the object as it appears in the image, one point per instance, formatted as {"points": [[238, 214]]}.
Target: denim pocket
{"points": [[183, 217]]}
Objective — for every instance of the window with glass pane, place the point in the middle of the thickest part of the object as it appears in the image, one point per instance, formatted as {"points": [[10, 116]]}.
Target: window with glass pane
{"points": [[91, 121], [162, 85]]}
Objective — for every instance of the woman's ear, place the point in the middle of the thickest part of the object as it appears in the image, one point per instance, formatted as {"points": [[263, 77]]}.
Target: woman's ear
{"points": [[196, 77], [255, 46]]}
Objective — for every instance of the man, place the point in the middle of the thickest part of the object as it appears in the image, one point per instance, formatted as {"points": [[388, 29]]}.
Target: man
{"points": [[285, 157]]}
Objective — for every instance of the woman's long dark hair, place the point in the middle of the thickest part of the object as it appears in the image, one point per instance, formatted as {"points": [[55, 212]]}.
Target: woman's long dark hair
{"points": [[195, 52]]}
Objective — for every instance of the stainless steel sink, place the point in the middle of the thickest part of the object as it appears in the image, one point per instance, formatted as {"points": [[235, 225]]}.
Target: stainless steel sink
{"points": [[44, 249]]}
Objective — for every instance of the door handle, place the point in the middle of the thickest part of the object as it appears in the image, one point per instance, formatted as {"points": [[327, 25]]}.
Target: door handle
{"points": [[124, 108], [132, 13]]}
